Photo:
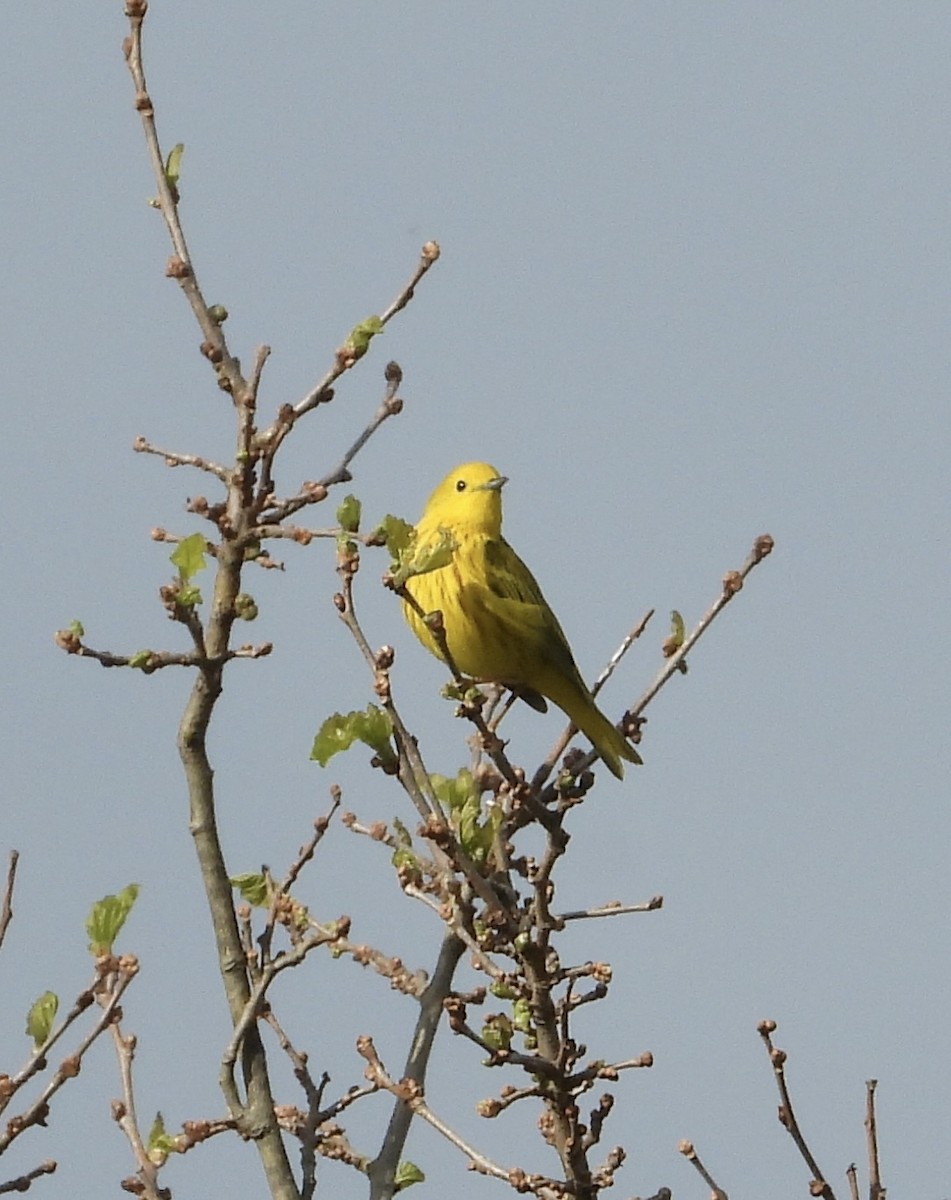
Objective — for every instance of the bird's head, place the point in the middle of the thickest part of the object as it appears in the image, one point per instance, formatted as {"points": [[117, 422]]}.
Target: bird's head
{"points": [[469, 497]]}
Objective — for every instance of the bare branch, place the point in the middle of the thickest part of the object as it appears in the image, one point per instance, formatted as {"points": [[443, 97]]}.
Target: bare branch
{"points": [[691, 1155], [615, 909], [22, 1183], [173, 459], [6, 911], [819, 1186]]}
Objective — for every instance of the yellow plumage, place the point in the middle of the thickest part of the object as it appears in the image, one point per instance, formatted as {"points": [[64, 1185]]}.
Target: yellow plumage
{"points": [[498, 625]]}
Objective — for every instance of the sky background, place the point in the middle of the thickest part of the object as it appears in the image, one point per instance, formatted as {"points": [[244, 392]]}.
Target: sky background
{"points": [[694, 288]]}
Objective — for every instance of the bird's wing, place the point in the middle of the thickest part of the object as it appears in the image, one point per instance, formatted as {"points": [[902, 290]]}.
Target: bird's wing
{"points": [[516, 598]]}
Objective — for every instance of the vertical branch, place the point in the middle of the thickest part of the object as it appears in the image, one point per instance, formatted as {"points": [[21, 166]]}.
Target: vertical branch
{"points": [[875, 1189], [6, 912], [382, 1171], [257, 1119]]}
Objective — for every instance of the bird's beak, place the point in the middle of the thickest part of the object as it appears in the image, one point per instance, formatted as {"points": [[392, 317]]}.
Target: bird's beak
{"points": [[496, 484]]}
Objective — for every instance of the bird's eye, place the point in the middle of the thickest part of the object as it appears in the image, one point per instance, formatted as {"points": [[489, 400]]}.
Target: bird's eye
{"points": [[460, 485]]}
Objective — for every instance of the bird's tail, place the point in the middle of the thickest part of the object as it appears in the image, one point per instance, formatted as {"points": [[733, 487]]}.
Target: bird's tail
{"points": [[609, 742]]}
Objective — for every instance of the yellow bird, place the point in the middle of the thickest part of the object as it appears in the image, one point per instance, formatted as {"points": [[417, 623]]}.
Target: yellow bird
{"points": [[498, 625]]}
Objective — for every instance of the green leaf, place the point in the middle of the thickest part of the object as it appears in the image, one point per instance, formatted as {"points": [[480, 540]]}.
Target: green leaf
{"points": [[403, 835], [360, 337], [373, 727], [420, 560], [675, 640], [463, 799], [245, 607], [407, 863], [140, 659], [396, 535], [189, 557], [407, 1174], [497, 1032], [107, 917], [522, 1015], [160, 1144], [348, 514], [253, 888], [77, 628], [39, 1020], [188, 597], [173, 165]]}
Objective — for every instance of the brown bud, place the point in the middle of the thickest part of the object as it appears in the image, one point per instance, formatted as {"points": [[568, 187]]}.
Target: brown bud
{"points": [[732, 582], [177, 268], [315, 492], [340, 603], [763, 546], [431, 251]]}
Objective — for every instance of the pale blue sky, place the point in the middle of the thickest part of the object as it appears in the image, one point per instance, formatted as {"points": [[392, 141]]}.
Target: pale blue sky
{"points": [[694, 287]]}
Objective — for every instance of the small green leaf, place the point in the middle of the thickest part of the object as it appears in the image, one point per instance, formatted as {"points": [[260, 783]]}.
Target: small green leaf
{"points": [[463, 799], [140, 659], [396, 534], [107, 917], [173, 165], [522, 1015], [253, 888], [407, 864], [189, 597], [403, 835], [348, 514], [189, 556], [77, 628], [407, 1174], [675, 640], [420, 560], [373, 727], [39, 1020], [160, 1144], [245, 608], [360, 337], [497, 1032]]}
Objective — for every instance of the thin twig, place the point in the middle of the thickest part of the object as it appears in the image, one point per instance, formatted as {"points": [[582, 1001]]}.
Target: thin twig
{"points": [[819, 1186], [22, 1182], [571, 729], [180, 266], [173, 458], [429, 254], [732, 583], [148, 661], [6, 911], [383, 1169], [688, 1151], [875, 1189], [611, 910]]}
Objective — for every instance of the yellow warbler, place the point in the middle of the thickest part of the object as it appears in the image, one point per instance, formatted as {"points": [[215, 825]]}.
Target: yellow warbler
{"points": [[498, 625]]}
